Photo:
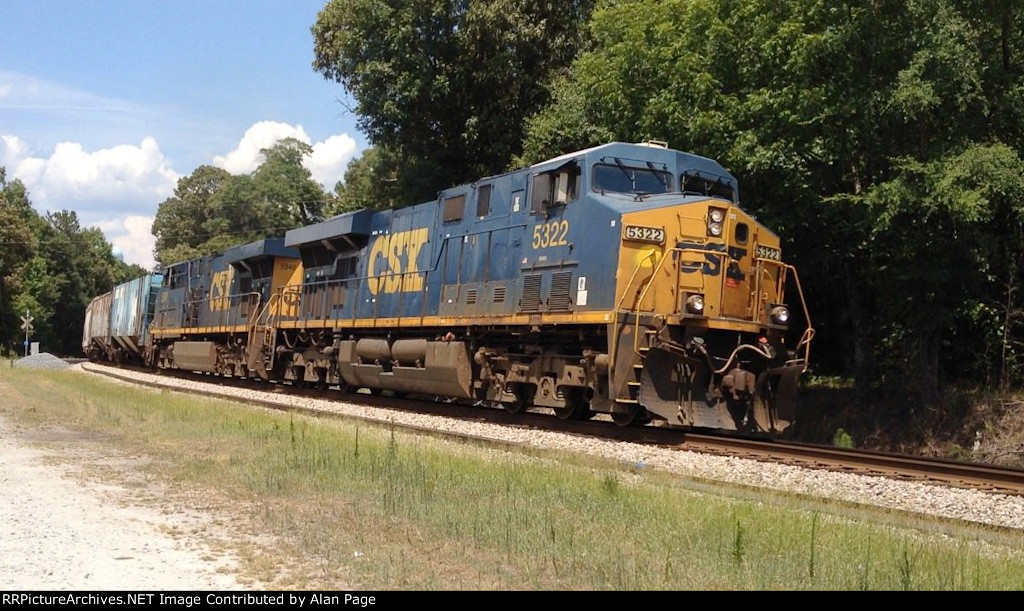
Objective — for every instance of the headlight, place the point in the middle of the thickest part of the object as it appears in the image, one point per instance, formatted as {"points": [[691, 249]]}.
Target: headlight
{"points": [[780, 315], [716, 217], [695, 304]]}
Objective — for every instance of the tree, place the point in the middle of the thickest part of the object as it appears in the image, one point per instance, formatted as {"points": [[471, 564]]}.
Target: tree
{"points": [[446, 85], [72, 266], [850, 128], [282, 181], [180, 219], [17, 245], [377, 180], [212, 210], [52, 267]]}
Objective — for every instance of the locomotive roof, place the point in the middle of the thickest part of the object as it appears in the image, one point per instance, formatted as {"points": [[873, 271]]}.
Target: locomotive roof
{"points": [[270, 247], [677, 161], [350, 223]]}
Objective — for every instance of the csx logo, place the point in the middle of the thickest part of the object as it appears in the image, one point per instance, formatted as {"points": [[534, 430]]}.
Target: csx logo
{"points": [[220, 290], [712, 265], [393, 262]]}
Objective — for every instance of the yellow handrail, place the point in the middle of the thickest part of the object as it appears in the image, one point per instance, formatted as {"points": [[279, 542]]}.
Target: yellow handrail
{"points": [[785, 268], [615, 326], [643, 294]]}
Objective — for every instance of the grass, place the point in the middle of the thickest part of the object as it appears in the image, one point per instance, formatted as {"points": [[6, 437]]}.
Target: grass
{"points": [[370, 507]]}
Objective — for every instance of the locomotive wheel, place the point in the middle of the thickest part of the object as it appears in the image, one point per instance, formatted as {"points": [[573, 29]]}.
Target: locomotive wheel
{"points": [[586, 413], [636, 416], [514, 407], [576, 407], [321, 379], [522, 401], [376, 391]]}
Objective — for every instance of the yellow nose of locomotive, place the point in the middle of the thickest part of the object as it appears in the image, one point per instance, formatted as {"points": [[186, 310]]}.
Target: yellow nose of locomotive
{"points": [[702, 284], [706, 262]]}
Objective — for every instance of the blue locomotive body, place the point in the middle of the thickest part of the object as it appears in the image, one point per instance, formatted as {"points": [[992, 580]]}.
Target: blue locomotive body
{"points": [[622, 279]]}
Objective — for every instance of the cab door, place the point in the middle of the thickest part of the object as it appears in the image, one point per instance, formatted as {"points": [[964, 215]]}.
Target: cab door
{"points": [[737, 268]]}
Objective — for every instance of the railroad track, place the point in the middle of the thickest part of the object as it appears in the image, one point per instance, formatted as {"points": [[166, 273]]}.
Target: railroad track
{"points": [[988, 478]]}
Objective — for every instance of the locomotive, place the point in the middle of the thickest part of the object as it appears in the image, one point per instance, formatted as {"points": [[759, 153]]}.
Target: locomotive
{"points": [[622, 279]]}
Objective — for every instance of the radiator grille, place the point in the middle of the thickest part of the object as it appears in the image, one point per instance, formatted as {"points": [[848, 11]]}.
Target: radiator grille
{"points": [[561, 285], [499, 294], [471, 295], [531, 293]]}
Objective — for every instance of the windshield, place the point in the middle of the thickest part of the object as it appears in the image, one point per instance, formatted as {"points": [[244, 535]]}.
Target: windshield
{"points": [[714, 187], [621, 178]]}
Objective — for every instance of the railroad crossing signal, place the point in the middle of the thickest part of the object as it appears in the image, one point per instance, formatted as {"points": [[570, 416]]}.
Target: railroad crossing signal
{"points": [[26, 326]]}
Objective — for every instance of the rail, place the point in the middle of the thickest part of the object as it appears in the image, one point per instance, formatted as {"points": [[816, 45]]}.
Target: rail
{"points": [[982, 477]]}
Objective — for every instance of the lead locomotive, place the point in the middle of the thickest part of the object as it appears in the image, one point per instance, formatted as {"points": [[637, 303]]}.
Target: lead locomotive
{"points": [[621, 279]]}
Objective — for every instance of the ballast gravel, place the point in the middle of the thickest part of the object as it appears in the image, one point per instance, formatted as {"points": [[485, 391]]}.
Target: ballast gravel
{"points": [[1000, 510], [43, 360]]}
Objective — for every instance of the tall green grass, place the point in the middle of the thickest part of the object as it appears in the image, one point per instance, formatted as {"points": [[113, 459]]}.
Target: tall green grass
{"points": [[384, 509]]}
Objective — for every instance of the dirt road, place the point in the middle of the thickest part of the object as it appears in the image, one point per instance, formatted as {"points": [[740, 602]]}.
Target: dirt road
{"points": [[61, 529]]}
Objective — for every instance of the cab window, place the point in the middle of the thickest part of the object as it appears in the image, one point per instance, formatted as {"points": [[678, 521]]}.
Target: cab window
{"points": [[622, 178], [555, 188], [698, 185]]}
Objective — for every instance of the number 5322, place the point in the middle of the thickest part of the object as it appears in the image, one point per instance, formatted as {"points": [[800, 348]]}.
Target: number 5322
{"points": [[550, 234]]}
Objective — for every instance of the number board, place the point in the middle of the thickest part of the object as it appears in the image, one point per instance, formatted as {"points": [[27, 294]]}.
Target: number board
{"points": [[767, 252], [654, 235]]}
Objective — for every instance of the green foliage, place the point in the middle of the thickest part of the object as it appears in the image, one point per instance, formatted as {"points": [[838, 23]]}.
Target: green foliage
{"points": [[738, 545], [288, 187], [842, 439], [371, 182], [51, 267], [879, 139], [212, 210], [446, 85], [181, 218]]}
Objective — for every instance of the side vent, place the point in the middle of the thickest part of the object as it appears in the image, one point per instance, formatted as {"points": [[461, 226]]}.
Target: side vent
{"points": [[531, 293], [561, 285], [499, 294], [471, 295]]}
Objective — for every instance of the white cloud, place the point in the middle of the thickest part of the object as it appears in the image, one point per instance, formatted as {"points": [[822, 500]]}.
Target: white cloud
{"points": [[125, 178], [134, 236], [121, 186], [246, 157], [12, 150], [330, 158], [326, 164]]}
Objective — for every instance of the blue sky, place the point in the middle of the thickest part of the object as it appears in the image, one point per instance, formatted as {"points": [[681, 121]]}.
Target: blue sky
{"points": [[104, 104]]}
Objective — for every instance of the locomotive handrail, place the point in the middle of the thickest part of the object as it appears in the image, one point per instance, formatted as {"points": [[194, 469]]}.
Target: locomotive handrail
{"points": [[808, 334], [615, 326], [643, 294], [232, 301], [805, 338]]}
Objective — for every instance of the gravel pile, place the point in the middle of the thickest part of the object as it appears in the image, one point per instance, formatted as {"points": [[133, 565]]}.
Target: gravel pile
{"points": [[43, 360], [914, 497]]}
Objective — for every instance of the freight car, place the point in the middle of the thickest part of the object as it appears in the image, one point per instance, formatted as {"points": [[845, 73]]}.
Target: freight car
{"points": [[117, 323], [622, 279]]}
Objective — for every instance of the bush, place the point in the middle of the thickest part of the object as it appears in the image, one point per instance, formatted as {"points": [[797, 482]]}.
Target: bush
{"points": [[842, 439]]}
